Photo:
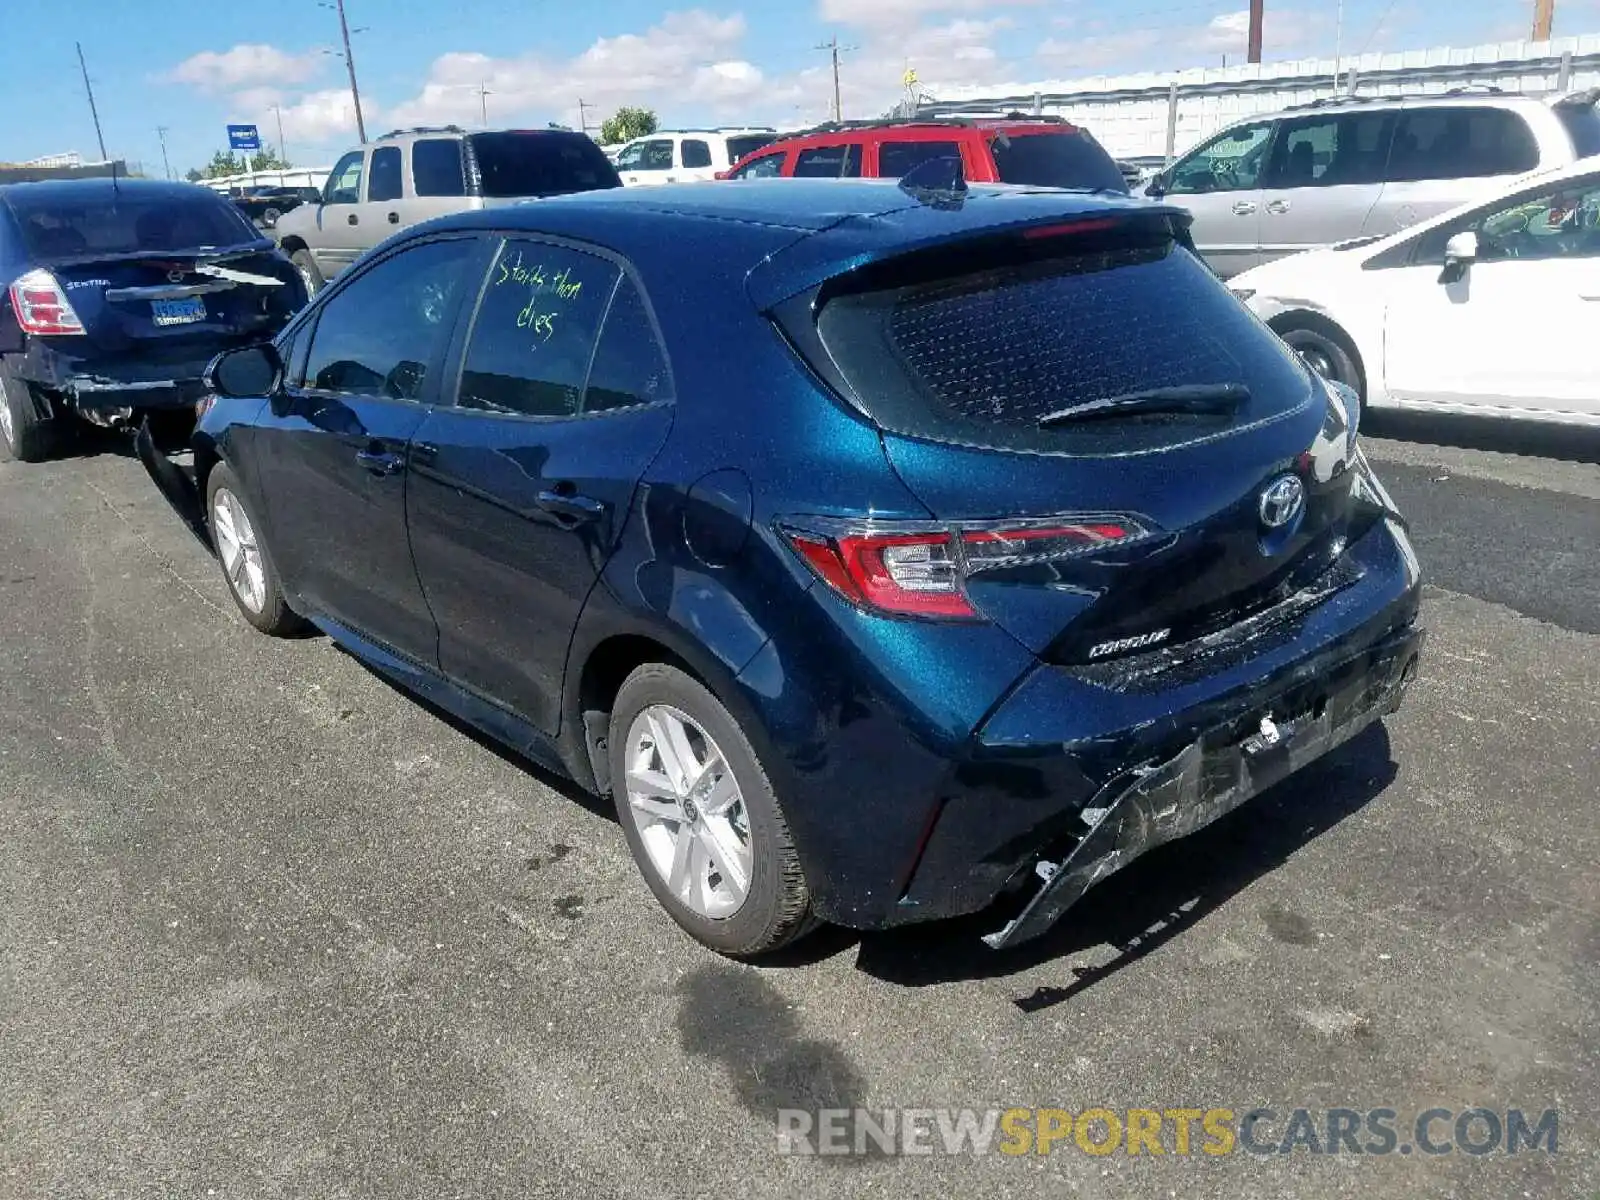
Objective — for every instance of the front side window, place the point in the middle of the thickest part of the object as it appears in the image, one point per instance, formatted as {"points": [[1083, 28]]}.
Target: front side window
{"points": [[385, 182], [646, 156], [896, 159], [840, 161], [1550, 223], [436, 167], [344, 181], [535, 331], [381, 335], [768, 166], [1457, 142], [1331, 151], [695, 153], [1229, 162]]}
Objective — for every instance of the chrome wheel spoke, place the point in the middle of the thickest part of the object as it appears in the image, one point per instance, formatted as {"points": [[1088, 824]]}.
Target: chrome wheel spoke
{"points": [[680, 875], [722, 795], [723, 848], [237, 549]]}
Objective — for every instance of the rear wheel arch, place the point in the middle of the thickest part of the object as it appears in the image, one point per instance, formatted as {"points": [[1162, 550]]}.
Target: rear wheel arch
{"points": [[1307, 321], [291, 243]]}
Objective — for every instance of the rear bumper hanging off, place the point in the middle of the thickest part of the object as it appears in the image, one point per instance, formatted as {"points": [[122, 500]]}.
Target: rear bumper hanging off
{"points": [[1158, 802]]}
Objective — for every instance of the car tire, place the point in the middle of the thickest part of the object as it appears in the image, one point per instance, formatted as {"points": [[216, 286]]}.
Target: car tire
{"points": [[307, 266], [24, 434], [247, 565], [731, 823], [1326, 353], [270, 218]]}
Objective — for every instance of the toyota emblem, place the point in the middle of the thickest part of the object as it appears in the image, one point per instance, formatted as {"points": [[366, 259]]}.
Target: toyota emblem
{"points": [[1281, 501]]}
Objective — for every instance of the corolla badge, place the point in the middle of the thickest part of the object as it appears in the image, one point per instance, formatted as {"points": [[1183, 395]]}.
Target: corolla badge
{"points": [[1281, 501]]}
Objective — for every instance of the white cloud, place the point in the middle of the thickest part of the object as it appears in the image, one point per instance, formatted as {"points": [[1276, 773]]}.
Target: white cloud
{"points": [[1282, 30], [689, 56], [318, 119], [244, 66]]}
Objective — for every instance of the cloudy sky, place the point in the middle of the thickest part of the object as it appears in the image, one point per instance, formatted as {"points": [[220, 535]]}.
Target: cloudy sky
{"points": [[195, 65]]}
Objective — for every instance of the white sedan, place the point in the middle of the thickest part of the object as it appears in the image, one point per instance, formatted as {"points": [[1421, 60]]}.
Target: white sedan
{"points": [[1486, 309]]}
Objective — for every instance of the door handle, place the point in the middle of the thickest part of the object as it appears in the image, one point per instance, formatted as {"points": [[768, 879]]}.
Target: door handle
{"points": [[1278, 206], [1589, 295], [380, 462], [569, 506], [353, 219], [394, 218], [1243, 208]]}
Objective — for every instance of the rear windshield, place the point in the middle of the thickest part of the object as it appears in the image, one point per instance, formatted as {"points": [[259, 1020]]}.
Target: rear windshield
{"points": [[1065, 160], [748, 143], [976, 345], [54, 228], [540, 164], [1583, 127]]}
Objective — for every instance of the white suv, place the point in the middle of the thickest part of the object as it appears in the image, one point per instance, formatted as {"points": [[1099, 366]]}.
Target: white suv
{"points": [[681, 155]]}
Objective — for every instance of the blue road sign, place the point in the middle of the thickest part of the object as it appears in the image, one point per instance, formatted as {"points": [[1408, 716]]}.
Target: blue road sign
{"points": [[243, 137]]}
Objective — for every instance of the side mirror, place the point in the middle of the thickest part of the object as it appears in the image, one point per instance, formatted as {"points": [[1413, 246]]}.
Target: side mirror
{"points": [[245, 372], [1460, 252], [1157, 187]]}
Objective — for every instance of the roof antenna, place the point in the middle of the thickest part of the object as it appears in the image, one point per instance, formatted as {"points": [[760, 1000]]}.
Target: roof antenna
{"points": [[115, 190], [938, 183]]}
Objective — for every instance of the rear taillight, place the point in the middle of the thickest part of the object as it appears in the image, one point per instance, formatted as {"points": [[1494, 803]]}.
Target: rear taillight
{"points": [[42, 306], [923, 572]]}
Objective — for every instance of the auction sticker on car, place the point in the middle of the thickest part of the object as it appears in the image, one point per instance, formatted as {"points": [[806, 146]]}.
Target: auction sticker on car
{"points": [[178, 312]]}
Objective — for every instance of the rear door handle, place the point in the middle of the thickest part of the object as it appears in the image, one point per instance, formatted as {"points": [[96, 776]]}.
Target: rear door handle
{"points": [[394, 218], [380, 462], [1243, 208], [353, 219], [569, 506], [1278, 206]]}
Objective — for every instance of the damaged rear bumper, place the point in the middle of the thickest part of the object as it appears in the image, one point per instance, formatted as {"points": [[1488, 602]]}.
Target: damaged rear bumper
{"points": [[1159, 801]]}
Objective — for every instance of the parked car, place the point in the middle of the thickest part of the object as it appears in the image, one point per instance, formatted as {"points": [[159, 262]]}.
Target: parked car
{"points": [[411, 175], [1333, 170], [1485, 310], [681, 155], [1022, 549], [267, 204], [120, 291], [1040, 151]]}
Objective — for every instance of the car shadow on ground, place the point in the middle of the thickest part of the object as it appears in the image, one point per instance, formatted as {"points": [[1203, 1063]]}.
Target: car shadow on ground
{"points": [[1145, 906], [1536, 439]]}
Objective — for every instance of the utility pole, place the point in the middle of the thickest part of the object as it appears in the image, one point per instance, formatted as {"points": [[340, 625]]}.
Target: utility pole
{"points": [[166, 167], [93, 111], [283, 147], [834, 49], [583, 115], [1253, 47], [483, 101], [1544, 15], [350, 64]]}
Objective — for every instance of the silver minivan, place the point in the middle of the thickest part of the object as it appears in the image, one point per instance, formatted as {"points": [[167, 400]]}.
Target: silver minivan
{"points": [[1334, 170], [411, 175]]}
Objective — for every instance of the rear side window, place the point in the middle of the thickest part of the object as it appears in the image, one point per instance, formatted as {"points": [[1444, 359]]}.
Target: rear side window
{"points": [[748, 143], [768, 166], [695, 153], [56, 229], [1461, 143], [380, 335], [1064, 160], [436, 168], [975, 344], [535, 330], [540, 164], [629, 365], [900, 158], [829, 162], [1582, 124], [1346, 148], [385, 182]]}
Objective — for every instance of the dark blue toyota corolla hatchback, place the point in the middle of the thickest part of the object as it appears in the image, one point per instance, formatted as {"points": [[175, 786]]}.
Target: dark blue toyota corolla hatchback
{"points": [[886, 553]]}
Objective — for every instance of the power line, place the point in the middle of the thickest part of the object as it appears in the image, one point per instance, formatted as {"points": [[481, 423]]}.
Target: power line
{"points": [[93, 111]]}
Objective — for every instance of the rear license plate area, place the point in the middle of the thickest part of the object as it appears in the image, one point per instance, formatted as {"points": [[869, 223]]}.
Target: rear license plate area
{"points": [[178, 312]]}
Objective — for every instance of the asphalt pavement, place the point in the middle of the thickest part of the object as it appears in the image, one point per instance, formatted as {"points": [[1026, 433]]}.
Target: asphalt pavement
{"points": [[271, 928]]}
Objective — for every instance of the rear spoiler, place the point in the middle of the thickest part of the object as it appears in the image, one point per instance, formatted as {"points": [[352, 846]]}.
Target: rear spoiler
{"points": [[199, 254]]}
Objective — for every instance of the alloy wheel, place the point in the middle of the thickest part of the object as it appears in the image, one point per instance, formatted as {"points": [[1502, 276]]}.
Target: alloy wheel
{"points": [[238, 549], [6, 426], [689, 811]]}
